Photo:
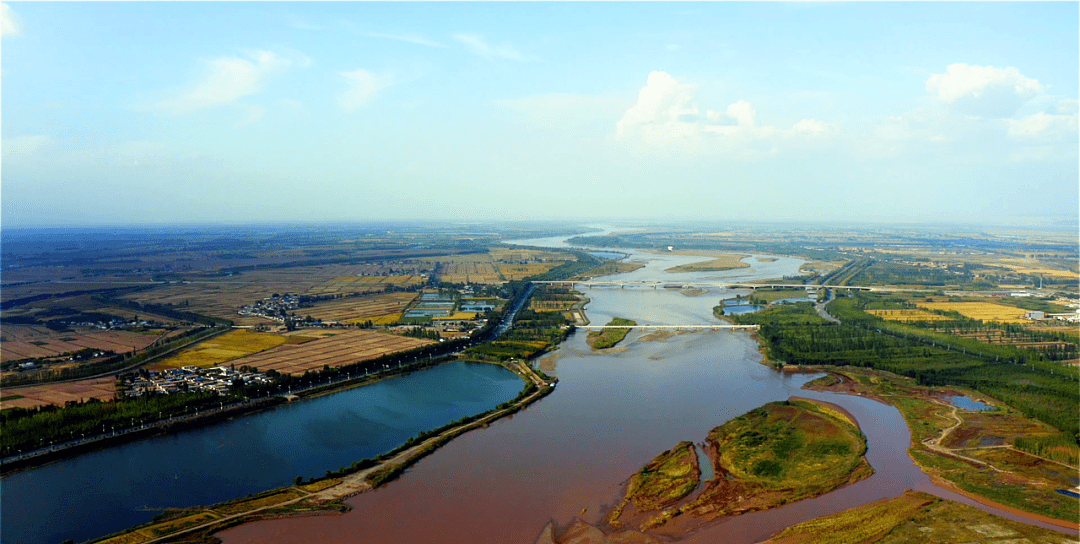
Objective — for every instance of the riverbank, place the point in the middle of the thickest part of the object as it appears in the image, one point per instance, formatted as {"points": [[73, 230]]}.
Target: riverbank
{"points": [[968, 452], [912, 517], [199, 523]]}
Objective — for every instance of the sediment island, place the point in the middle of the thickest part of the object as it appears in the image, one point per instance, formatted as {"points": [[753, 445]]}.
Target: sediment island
{"points": [[775, 454]]}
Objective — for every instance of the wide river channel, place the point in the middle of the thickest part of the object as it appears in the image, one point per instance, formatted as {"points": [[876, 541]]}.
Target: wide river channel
{"points": [[568, 455]]}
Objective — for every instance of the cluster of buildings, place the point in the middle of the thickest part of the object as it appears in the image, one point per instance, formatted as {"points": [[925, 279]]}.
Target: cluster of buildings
{"points": [[190, 378], [1072, 317], [276, 307]]}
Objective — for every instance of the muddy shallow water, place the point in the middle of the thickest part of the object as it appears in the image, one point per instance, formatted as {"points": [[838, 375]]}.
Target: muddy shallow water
{"points": [[568, 455]]}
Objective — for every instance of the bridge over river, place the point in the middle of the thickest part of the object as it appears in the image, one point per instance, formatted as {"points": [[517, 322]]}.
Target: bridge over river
{"points": [[672, 327], [728, 285]]}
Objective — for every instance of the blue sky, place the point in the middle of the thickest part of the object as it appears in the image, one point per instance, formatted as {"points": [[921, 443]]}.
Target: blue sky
{"points": [[166, 112]]}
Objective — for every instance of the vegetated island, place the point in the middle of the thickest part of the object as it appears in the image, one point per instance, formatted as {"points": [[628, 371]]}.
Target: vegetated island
{"points": [[608, 338], [775, 454], [913, 518], [611, 267], [719, 263]]}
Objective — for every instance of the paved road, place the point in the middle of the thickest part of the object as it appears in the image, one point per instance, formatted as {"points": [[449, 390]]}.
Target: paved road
{"points": [[820, 307]]}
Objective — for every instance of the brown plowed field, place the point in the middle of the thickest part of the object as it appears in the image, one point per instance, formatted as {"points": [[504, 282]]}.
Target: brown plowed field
{"points": [[338, 350], [24, 342], [469, 273], [59, 393], [359, 308]]}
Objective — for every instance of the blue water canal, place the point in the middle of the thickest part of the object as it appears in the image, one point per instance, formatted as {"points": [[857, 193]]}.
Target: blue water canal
{"points": [[109, 490]]}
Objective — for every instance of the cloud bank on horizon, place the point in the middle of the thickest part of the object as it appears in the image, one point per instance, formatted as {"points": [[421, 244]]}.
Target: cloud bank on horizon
{"points": [[236, 112]]}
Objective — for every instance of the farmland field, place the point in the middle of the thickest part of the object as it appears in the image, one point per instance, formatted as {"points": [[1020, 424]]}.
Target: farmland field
{"points": [[358, 309], [59, 393], [226, 347], [514, 254], [476, 272], [907, 316], [983, 311], [26, 341], [522, 271], [339, 349]]}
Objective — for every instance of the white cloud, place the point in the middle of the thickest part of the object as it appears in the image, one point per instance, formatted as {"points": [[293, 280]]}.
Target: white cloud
{"points": [[10, 24], [663, 106], [362, 87], [740, 113], [23, 146], [477, 45], [1041, 125], [1067, 107], [983, 90], [666, 112], [228, 79], [812, 126]]}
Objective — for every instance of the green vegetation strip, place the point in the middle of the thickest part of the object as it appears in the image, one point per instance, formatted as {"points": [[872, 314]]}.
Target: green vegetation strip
{"points": [[608, 338], [1031, 481], [795, 334], [913, 518], [668, 478]]}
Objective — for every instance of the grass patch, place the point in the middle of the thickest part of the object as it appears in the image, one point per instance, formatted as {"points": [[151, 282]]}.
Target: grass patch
{"points": [[668, 478], [179, 524], [320, 485], [258, 502], [859, 525], [791, 444], [607, 338]]}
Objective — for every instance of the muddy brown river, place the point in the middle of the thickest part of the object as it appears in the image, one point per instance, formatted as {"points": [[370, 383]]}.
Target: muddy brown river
{"points": [[568, 455]]}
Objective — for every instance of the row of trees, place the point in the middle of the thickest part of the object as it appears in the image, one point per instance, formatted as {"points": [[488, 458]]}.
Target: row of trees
{"points": [[795, 334]]}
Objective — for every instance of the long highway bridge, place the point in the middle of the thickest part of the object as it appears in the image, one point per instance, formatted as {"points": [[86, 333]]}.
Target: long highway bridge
{"points": [[728, 285], [717, 327]]}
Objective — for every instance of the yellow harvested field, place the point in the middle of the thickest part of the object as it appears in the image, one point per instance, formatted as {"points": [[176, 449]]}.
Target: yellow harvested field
{"points": [[983, 311], [907, 316], [1047, 272], [387, 319], [456, 316], [342, 348], [522, 271], [226, 347]]}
